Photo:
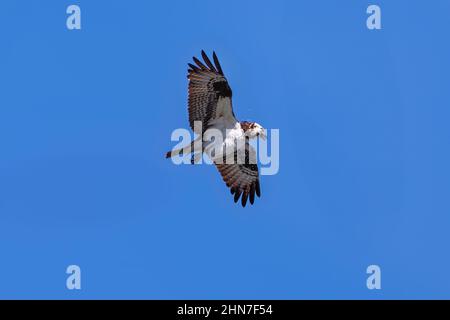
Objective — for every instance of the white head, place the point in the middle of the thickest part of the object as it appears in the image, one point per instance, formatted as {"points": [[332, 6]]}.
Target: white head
{"points": [[253, 130]]}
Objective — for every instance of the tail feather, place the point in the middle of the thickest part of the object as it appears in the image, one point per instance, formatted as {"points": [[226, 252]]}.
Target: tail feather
{"points": [[185, 150], [172, 153]]}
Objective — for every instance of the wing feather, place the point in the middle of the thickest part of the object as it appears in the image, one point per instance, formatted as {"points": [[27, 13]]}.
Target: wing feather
{"points": [[242, 178], [199, 63], [216, 62], [207, 85], [208, 62]]}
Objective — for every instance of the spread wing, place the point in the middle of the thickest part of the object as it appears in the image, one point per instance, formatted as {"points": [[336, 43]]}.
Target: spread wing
{"points": [[242, 176], [209, 93]]}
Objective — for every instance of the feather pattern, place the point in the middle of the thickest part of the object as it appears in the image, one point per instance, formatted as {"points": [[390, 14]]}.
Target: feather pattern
{"points": [[242, 176], [207, 85]]}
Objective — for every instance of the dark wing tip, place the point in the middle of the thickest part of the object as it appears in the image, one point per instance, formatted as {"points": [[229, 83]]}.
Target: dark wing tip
{"points": [[194, 68], [244, 198], [217, 63], [257, 188], [199, 63], [208, 62], [252, 194], [237, 195]]}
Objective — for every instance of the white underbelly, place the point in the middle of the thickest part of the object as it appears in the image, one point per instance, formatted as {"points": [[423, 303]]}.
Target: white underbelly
{"points": [[224, 141]]}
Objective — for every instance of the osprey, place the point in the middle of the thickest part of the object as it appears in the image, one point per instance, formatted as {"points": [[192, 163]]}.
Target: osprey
{"points": [[210, 105]]}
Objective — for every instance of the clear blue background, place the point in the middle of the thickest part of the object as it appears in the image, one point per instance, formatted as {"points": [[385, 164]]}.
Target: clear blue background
{"points": [[86, 117]]}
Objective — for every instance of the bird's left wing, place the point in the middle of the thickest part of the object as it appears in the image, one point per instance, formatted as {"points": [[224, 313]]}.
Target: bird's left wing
{"points": [[208, 88], [242, 176]]}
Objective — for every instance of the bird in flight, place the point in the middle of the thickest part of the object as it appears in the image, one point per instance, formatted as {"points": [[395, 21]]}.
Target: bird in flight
{"points": [[210, 105]]}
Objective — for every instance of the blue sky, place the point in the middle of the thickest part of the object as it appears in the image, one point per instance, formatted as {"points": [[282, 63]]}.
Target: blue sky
{"points": [[86, 117]]}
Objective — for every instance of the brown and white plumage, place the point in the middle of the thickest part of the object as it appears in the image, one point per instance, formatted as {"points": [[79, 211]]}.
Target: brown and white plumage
{"points": [[242, 177], [209, 93], [210, 104]]}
